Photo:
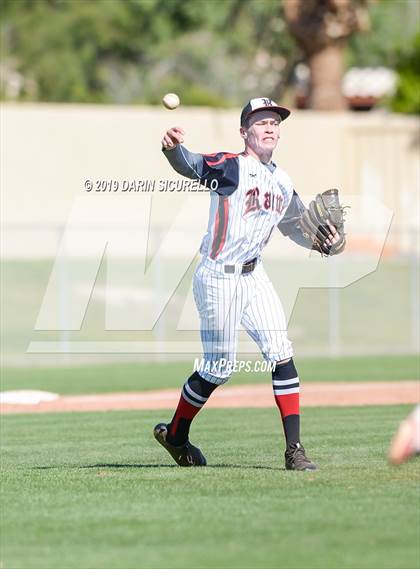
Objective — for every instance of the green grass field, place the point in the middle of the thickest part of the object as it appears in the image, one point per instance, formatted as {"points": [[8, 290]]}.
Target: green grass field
{"points": [[159, 375], [95, 490]]}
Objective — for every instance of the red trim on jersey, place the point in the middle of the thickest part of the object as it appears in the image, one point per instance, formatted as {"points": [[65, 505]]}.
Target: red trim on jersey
{"points": [[224, 231], [220, 229], [225, 156]]}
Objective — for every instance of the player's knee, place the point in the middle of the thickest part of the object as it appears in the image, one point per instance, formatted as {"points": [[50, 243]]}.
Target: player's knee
{"points": [[218, 370], [226, 366], [285, 370], [284, 367]]}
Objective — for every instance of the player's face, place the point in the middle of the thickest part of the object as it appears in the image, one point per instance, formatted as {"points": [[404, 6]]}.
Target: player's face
{"points": [[263, 132]]}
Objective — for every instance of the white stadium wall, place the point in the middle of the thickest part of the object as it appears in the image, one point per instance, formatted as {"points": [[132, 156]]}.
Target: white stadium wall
{"points": [[48, 151]]}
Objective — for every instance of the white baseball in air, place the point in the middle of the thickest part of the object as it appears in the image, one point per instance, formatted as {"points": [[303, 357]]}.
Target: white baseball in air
{"points": [[171, 101]]}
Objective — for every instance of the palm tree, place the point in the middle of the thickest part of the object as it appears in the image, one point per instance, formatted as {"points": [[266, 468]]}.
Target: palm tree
{"points": [[321, 29]]}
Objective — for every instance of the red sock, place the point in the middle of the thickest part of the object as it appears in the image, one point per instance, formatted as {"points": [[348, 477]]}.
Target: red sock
{"points": [[194, 395], [184, 412], [286, 394], [288, 404]]}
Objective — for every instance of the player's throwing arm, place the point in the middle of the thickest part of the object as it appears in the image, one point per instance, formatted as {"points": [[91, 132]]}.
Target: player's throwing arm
{"points": [[172, 137]]}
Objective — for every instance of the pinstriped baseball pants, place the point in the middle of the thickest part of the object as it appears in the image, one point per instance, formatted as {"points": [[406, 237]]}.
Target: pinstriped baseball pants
{"points": [[225, 302]]}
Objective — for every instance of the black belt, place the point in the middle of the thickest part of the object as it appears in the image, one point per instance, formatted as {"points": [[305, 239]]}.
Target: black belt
{"points": [[247, 267]]}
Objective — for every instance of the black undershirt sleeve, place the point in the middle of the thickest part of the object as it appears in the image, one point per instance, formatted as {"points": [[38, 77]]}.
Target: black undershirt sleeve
{"points": [[184, 162], [218, 172]]}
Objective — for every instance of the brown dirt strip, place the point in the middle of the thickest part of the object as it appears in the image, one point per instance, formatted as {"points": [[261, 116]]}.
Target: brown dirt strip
{"points": [[312, 395]]}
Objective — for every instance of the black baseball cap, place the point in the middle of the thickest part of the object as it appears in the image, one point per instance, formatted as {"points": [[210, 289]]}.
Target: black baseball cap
{"points": [[263, 104]]}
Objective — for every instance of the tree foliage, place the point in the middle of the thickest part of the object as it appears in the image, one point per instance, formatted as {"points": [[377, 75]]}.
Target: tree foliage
{"points": [[393, 26], [212, 52], [407, 97], [126, 51]]}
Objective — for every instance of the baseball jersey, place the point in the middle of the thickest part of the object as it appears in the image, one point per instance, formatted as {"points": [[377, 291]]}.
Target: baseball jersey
{"points": [[248, 200]]}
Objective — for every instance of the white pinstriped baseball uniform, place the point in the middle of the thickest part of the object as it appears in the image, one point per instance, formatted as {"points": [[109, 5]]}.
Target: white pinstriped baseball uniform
{"points": [[251, 199]]}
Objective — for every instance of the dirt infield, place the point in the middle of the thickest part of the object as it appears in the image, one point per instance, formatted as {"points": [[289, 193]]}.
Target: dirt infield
{"points": [[312, 395]]}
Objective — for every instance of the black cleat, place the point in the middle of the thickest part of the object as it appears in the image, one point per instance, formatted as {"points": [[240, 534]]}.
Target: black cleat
{"points": [[296, 458], [184, 455]]}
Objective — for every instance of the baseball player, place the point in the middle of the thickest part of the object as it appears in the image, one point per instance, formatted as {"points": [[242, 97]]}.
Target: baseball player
{"points": [[251, 196]]}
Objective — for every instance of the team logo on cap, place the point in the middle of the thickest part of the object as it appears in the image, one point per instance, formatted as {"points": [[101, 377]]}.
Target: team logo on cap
{"points": [[263, 101]]}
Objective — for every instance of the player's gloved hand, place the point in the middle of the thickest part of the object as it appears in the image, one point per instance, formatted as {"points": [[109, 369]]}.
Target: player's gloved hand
{"points": [[323, 223], [172, 138]]}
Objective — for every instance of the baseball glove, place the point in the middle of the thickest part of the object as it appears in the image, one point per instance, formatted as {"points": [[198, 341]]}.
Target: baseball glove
{"points": [[324, 211]]}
